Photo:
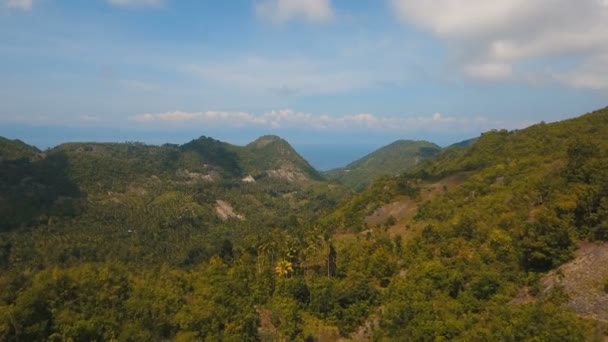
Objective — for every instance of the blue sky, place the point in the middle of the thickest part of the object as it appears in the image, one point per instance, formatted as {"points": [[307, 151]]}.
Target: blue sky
{"points": [[313, 71]]}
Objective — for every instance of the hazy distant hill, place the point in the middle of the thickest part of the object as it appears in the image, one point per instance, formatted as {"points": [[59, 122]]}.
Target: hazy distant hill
{"points": [[99, 166], [275, 157], [393, 159], [465, 143], [34, 184], [15, 149]]}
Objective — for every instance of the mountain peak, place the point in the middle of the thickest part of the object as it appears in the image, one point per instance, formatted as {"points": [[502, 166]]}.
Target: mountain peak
{"points": [[274, 155], [265, 140], [15, 149]]}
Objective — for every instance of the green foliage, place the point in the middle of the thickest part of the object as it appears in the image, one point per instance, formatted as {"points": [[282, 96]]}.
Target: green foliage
{"points": [[530, 195], [286, 316], [16, 149], [214, 152], [547, 241], [271, 153], [391, 160], [350, 214], [33, 190]]}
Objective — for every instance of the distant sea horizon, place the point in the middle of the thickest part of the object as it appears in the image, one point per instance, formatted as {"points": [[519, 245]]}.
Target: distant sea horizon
{"points": [[330, 156]]}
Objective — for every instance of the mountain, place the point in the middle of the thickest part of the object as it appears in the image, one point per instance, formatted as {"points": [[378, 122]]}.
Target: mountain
{"points": [[16, 149], [504, 240], [465, 143], [395, 158], [481, 227], [276, 158], [103, 166], [60, 181]]}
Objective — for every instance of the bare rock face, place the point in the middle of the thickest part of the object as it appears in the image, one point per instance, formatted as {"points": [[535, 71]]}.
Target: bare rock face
{"points": [[209, 177], [584, 280], [225, 211], [248, 179], [288, 173]]}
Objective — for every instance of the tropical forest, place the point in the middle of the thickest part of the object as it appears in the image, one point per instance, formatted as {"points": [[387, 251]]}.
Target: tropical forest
{"points": [[499, 238]]}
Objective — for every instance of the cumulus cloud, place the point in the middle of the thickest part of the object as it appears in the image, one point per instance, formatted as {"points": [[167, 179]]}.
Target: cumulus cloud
{"points": [[288, 118], [25, 5], [286, 10], [496, 39], [137, 3]]}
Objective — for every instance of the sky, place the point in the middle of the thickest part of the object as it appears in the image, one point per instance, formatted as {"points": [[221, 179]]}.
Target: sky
{"points": [[346, 76]]}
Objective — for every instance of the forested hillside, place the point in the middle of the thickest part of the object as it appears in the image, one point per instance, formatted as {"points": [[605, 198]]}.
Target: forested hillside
{"points": [[391, 160], [211, 241]]}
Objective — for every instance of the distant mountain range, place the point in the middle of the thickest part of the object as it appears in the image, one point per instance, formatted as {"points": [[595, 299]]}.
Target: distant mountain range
{"points": [[211, 159], [59, 180]]}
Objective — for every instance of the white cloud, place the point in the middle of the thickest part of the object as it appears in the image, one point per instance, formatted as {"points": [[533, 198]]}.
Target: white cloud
{"points": [[137, 3], [25, 5], [236, 118], [286, 10], [288, 118], [493, 39]]}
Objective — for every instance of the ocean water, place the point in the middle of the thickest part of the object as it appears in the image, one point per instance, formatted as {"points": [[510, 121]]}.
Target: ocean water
{"points": [[330, 156]]}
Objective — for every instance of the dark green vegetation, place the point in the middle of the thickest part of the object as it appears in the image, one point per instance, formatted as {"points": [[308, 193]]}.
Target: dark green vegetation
{"points": [[391, 160], [132, 242]]}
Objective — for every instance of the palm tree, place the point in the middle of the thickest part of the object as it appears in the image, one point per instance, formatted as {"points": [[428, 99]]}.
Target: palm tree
{"points": [[284, 268], [318, 238], [267, 247], [313, 241]]}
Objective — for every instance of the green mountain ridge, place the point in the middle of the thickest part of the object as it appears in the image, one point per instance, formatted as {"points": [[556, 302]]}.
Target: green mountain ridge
{"points": [[206, 158], [60, 181], [390, 160], [274, 153], [15, 149]]}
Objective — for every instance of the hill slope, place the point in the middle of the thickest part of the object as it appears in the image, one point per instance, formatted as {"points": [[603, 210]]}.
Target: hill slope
{"points": [[526, 199], [275, 157], [113, 166], [58, 182], [393, 159], [15, 149]]}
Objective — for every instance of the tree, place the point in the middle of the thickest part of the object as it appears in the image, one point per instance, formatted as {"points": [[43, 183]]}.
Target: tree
{"points": [[284, 268], [547, 241]]}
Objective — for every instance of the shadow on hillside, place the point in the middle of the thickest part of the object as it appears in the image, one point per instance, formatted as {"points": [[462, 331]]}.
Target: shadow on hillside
{"points": [[31, 191], [215, 152]]}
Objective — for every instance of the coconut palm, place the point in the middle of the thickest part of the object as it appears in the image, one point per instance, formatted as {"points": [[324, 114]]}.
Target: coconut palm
{"points": [[284, 268]]}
